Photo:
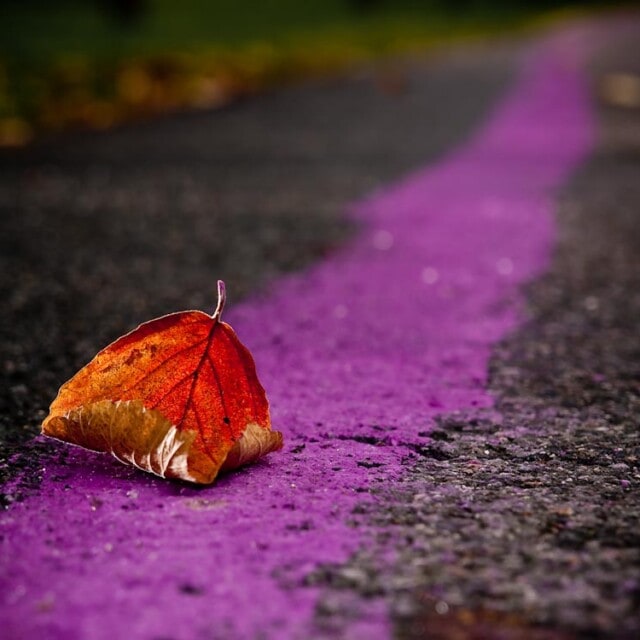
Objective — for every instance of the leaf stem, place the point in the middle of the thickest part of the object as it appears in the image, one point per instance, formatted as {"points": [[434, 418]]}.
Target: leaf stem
{"points": [[222, 298]]}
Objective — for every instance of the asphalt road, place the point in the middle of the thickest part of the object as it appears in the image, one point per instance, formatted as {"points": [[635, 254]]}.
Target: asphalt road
{"points": [[516, 518], [101, 231]]}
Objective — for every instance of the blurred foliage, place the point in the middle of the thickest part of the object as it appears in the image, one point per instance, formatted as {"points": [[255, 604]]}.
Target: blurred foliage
{"points": [[94, 63]]}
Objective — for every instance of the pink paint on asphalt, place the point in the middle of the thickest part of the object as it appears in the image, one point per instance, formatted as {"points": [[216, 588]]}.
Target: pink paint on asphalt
{"points": [[376, 341]]}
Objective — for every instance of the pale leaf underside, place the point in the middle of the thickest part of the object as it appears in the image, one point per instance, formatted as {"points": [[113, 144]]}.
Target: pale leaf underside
{"points": [[146, 439]]}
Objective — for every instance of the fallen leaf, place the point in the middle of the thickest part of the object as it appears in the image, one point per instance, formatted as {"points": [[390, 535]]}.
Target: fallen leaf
{"points": [[178, 396]]}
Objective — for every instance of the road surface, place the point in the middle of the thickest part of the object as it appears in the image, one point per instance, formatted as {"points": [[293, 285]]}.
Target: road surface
{"points": [[452, 359]]}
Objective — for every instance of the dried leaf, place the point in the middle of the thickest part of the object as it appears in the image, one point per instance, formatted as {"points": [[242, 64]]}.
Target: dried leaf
{"points": [[178, 396]]}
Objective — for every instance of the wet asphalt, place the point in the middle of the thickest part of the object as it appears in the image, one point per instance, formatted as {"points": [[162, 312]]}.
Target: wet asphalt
{"points": [[100, 231]]}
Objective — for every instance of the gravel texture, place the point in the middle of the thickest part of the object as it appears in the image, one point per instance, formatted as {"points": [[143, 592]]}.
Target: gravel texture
{"points": [[524, 521]]}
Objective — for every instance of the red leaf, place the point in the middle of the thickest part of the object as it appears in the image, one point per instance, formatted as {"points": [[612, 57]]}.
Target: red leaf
{"points": [[178, 396]]}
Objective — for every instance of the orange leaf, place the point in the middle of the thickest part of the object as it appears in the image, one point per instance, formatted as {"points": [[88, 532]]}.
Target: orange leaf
{"points": [[178, 396]]}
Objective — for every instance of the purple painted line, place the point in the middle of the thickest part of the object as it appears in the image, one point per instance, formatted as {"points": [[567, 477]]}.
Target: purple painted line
{"points": [[378, 340]]}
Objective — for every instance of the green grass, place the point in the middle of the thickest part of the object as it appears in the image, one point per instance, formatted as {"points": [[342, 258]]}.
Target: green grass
{"points": [[41, 30], [70, 62]]}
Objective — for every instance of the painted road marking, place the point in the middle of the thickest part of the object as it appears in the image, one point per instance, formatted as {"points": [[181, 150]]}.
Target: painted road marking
{"points": [[367, 347]]}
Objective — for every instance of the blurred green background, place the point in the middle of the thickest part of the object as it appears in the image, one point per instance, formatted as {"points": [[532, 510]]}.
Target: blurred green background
{"points": [[95, 63]]}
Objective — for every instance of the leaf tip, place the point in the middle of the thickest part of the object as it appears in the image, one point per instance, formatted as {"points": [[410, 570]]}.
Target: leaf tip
{"points": [[255, 443]]}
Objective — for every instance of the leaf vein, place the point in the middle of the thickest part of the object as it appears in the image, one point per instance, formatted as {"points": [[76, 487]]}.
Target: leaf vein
{"points": [[148, 374], [170, 390], [246, 373], [216, 377]]}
